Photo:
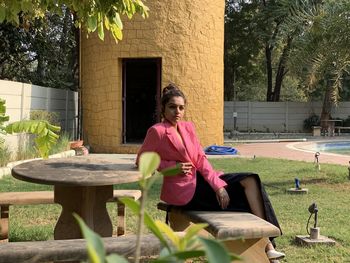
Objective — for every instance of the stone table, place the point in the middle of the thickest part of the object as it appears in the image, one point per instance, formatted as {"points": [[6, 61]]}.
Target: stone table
{"points": [[82, 184]]}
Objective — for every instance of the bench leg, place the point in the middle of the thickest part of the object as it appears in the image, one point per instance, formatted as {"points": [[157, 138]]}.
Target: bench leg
{"points": [[178, 222], [120, 219], [4, 221], [251, 250]]}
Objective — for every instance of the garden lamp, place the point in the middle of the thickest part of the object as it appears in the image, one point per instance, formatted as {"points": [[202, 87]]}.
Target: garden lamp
{"points": [[314, 231]]}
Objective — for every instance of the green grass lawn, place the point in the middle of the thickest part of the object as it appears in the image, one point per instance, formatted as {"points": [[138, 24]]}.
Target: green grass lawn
{"points": [[328, 187]]}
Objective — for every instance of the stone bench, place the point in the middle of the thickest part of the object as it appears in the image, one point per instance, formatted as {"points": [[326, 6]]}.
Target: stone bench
{"points": [[74, 249], [47, 197], [244, 234], [339, 128]]}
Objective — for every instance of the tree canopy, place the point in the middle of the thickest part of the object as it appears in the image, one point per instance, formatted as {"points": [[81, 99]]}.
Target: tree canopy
{"points": [[89, 15], [45, 54], [39, 38], [282, 48]]}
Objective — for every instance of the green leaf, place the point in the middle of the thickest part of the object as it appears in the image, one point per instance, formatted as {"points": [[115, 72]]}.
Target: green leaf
{"points": [[26, 6], [94, 242], [149, 222], [116, 31], [2, 14], [107, 24], [118, 21], [193, 230], [171, 171], [100, 30], [151, 180], [174, 238], [214, 250], [149, 162], [46, 133], [92, 23]]}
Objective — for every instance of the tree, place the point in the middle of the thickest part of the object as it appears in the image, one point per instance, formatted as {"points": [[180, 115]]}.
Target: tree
{"points": [[283, 22], [44, 54], [325, 55], [257, 30], [242, 49], [89, 15]]}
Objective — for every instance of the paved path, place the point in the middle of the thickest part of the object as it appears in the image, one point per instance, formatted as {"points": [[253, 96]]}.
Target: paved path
{"points": [[291, 151]]}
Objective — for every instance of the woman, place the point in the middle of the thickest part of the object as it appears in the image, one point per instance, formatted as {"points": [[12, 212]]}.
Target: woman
{"points": [[199, 186]]}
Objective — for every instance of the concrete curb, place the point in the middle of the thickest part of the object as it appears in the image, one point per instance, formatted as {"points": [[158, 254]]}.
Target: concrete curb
{"points": [[7, 169], [265, 141]]}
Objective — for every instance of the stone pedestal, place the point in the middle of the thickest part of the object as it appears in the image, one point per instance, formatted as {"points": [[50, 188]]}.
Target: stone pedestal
{"points": [[307, 241], [297, 191]]}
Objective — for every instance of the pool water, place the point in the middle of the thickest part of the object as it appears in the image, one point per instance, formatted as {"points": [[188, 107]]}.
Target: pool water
{"points": [[339, 147]]}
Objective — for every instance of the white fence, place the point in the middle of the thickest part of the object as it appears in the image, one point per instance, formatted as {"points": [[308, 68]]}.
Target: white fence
{"points": [[275, 116], [22, 98]]}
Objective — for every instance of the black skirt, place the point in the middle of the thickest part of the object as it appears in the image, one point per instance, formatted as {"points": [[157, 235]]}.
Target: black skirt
{"points": [[205, 198]]}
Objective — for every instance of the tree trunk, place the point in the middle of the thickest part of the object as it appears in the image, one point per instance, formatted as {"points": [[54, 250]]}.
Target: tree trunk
{"points": [[281, 70], [229, 79], [268, 54], [327, 105]]}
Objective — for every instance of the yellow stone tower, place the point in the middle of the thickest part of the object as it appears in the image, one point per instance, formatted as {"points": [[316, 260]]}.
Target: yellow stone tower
{"points": [[181, 42]]}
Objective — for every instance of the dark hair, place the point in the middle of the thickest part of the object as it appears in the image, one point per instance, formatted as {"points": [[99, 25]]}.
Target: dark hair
{"points": [[170, 91]]}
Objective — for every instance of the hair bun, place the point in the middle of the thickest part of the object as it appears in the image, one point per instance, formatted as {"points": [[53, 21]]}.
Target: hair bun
{"points": [[169, 88]]}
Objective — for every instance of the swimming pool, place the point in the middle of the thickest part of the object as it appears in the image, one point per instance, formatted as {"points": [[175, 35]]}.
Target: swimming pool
{"points": [[339, 147]]}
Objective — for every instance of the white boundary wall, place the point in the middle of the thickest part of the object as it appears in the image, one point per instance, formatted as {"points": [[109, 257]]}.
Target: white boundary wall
{"points": [[275, 116], [21, 98]]}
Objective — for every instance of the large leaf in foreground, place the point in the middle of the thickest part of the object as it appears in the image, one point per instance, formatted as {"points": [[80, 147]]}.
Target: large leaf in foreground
{"points": [[47, 134]]}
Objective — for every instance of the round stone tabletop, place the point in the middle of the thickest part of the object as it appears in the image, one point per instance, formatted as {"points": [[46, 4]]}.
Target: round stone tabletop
{"points": [[89, 170]]}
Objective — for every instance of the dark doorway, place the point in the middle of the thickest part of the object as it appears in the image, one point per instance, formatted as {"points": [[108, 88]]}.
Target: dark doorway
{"points": [[141, 94]]}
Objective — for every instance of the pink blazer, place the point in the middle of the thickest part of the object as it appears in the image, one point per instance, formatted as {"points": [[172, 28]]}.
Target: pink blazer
{"points": [[162, 138]]}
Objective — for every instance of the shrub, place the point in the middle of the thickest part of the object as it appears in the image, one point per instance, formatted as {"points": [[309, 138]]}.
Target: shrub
{"points": [[5, 155], [43, 115], [312, 120], [62, 144], [26, 149]]}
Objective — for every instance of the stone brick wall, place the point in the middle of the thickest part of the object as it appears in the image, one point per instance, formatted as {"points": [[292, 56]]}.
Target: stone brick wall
{"points": [[188, 35]]}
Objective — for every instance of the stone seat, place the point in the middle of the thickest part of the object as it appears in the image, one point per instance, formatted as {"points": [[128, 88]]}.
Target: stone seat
{"points": [[47, 197], [244, 234]]}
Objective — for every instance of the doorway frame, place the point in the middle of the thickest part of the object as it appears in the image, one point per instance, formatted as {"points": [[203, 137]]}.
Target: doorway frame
{"points": [[158, 61]]}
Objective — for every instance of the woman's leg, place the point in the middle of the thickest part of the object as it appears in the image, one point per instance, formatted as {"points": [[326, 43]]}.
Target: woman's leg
{"points": [[253, 194]]}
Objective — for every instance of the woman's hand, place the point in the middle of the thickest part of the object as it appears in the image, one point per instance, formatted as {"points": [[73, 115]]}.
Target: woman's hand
{"points": [[222, 197], [185, 167]]}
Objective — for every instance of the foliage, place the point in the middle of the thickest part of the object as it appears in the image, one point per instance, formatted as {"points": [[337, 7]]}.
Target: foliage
{"points": [[176, 248], [45, 54], [62, 144], [89, 15], [39, 39], [323, 53], [46, 133], [5, 155], [259, 39], [312, 120], [26, 148], [43, 115]]}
